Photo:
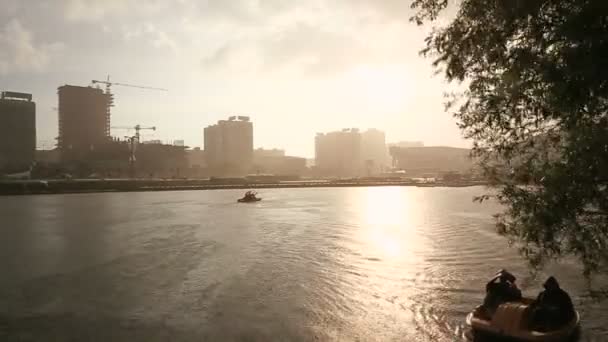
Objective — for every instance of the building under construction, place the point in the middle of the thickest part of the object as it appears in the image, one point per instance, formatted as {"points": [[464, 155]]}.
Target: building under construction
{"points": [[84, 121], [17, 131]]}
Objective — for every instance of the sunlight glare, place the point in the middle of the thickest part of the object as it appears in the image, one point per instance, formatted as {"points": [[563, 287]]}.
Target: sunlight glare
{"points": [[385, 88], [390, 219], [385, 206], [385, 213]]}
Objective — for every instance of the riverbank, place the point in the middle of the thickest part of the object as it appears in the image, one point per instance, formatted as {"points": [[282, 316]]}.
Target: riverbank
{"points": [[39, 187]]}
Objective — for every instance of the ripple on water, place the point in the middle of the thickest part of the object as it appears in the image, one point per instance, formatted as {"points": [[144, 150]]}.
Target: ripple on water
{"points": [[351, 264]]}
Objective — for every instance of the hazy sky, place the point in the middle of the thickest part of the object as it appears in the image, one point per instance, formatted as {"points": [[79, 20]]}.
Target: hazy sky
{"points": [[296, 67]]}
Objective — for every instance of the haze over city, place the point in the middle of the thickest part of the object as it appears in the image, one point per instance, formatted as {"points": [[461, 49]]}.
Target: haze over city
{"points": [[295, 68], [276, 170]]}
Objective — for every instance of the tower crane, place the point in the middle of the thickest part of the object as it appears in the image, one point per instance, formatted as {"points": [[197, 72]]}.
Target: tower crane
{"points": [[133, 142], [137, 128], [110, 84]]}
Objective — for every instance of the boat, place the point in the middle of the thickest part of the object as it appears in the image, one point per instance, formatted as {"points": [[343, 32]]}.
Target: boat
{"points": [[245, 200], [512, 321], [250, 196]]}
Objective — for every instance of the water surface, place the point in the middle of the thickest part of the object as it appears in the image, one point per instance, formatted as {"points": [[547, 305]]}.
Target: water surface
{"points": [[351, 264]]}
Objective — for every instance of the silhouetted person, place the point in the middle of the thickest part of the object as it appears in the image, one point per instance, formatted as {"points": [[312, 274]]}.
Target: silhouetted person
{"points": [[500, 289], [249, 195], [553, 307]]}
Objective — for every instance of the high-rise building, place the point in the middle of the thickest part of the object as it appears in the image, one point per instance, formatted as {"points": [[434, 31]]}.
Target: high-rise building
{"points": [[374, 152], [229, 146], [17, 131], [84, 121], [339, 153]]}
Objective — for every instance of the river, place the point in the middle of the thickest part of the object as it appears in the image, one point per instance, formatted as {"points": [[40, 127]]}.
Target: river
{"points": [[349, 264]]}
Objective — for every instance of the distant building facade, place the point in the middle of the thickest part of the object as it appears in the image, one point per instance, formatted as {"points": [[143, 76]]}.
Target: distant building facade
{"points": [[197, 163], [161, 160], [112, 160], [84, 121], [275, 152], [153, 142], [374, 152], [433, 160], [407, 144], [196, 158], [275, 162], [338, 153], [229, 146], [17, 131], [47, 156]]}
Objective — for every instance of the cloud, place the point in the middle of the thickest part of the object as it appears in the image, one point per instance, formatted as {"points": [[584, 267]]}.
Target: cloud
{"points": [[162, 40], [313, 37], [315, 50], [239, 10], [152, 34], [110, 10], [10, 7], [18, 51], [92, 10], [394, 9]]}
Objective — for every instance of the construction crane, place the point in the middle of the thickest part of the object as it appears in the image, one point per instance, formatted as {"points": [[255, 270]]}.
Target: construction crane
{"points": [[133, 142], [137, 128], [110, 84]]}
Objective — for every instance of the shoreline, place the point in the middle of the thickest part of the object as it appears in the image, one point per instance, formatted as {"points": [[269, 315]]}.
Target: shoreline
{"points": [[49, 187]]}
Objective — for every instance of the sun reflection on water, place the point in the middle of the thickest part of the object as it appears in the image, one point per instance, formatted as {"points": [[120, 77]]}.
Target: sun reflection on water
{"points": [[389, 221], [384, 206], [385, 256]]}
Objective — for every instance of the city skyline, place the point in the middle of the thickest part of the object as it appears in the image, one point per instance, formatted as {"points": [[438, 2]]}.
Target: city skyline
{"points": [[304, 68], [275, 170]]}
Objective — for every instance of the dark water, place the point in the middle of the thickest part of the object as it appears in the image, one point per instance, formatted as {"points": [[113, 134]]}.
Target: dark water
{"points": [[349, 264]]}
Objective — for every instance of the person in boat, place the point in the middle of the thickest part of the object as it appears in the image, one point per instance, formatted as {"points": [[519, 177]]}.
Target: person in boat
{"points": [[553, 307], [249, 195], [500, 289]]}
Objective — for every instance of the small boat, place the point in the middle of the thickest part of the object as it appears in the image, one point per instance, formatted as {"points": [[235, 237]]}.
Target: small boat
{"points": [[512, 321], [245, 200], [250, 196]]}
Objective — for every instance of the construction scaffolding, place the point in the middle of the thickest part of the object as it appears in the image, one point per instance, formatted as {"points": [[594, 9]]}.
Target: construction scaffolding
{"points": [[84, 120], [109, 105]]}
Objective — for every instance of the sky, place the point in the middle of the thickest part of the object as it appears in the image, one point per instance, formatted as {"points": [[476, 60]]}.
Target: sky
{"points": [[295, 67]]}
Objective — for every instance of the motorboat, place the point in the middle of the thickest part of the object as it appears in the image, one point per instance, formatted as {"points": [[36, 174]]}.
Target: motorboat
{"points": [[249, 197], [511, 320], [246, 200]]}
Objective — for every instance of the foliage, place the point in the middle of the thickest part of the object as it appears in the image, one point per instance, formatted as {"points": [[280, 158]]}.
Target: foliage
{"points": [[536, 108]]}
